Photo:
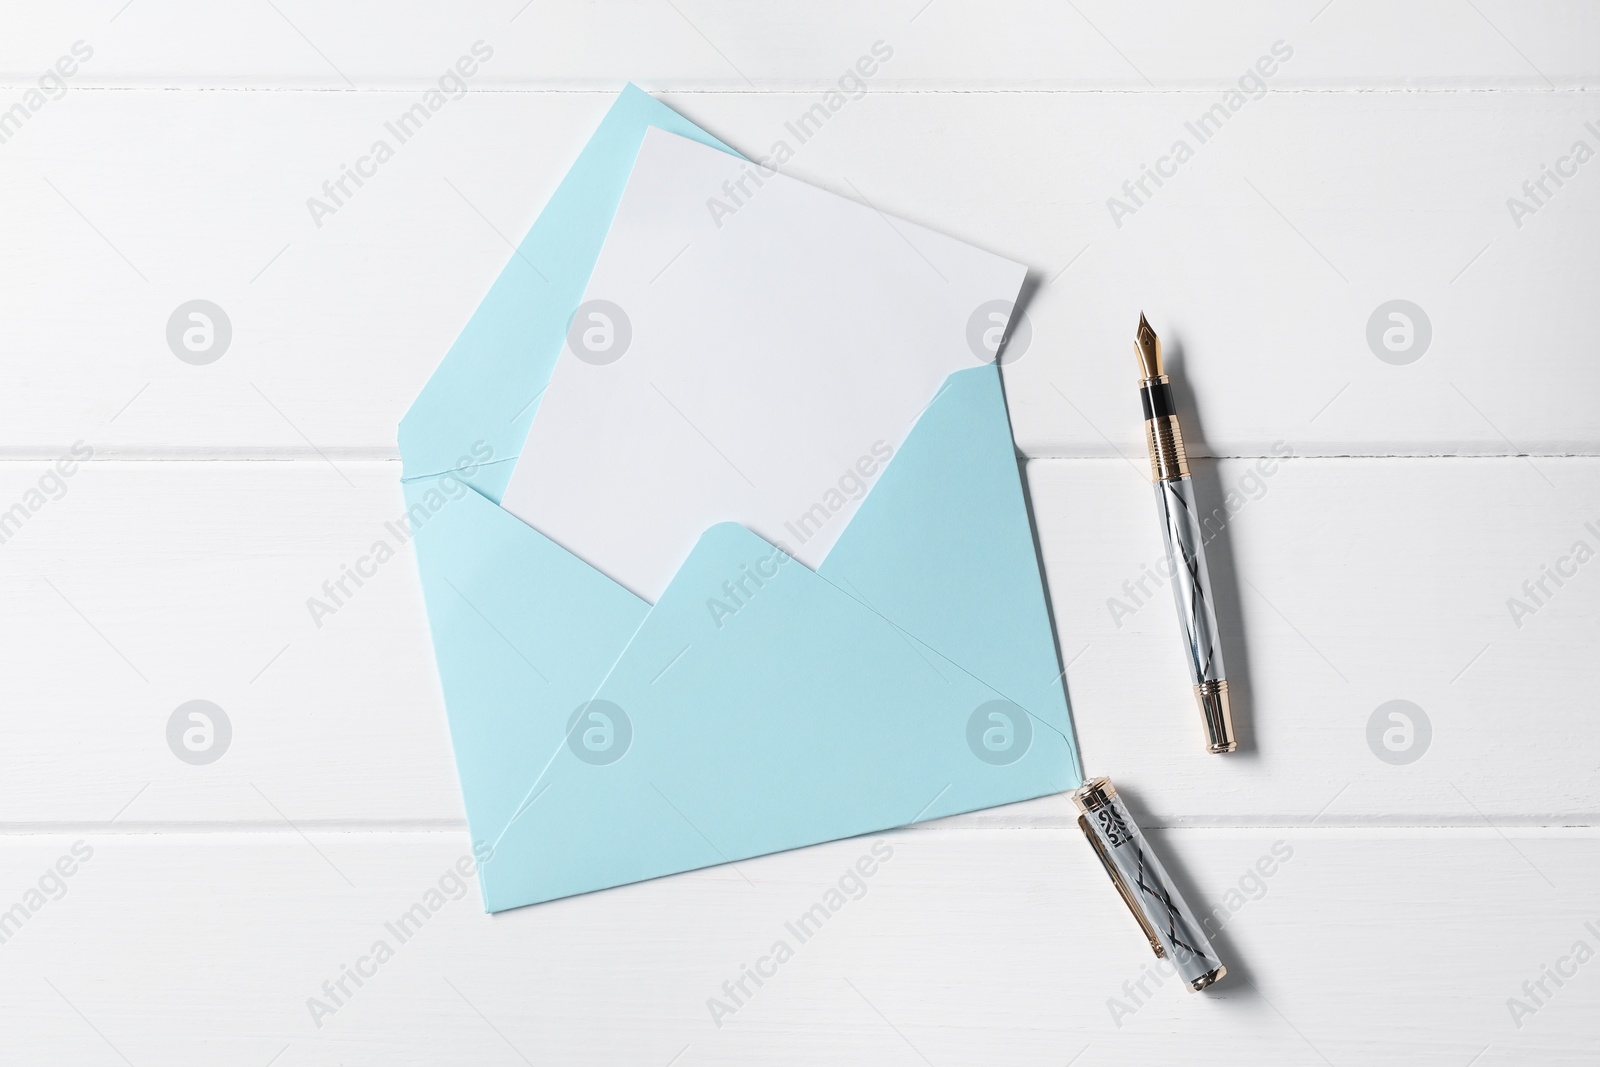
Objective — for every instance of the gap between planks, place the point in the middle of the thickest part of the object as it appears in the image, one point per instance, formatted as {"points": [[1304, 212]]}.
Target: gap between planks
{"points": [[610, 89], [1530, 826], [107, 456]]}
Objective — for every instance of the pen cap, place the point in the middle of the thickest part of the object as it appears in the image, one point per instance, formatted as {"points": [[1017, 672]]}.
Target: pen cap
{"points": [[1144, 884]]}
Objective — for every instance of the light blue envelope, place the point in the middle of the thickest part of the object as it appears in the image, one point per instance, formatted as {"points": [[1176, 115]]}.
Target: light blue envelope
{"points": [[601, 740]]}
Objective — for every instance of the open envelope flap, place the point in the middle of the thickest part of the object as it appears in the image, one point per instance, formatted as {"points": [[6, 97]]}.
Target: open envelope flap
{"points": [[943, 548], [801, 716], [486, 390], [519, 625]]}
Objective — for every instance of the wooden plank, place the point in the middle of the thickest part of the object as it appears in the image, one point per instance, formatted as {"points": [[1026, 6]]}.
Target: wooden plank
{"points": [[1344, 584], [1024, 45], [960, 947], [148, 585], [1261, 263]]}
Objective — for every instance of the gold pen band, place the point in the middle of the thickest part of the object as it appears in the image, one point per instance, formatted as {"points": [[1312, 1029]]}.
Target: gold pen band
{"points": [[1162, 435], [1217, 713]]}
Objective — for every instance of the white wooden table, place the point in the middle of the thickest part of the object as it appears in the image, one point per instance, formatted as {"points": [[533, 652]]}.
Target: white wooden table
{"points": [[1408, 903]]}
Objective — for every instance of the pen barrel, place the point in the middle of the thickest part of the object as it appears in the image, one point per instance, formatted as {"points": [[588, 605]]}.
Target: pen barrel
{"points": [[1145, 886], [1185, 538]]}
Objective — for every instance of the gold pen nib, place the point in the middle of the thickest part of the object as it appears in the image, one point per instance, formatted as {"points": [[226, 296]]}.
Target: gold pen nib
{"points": [[1147, 347]]}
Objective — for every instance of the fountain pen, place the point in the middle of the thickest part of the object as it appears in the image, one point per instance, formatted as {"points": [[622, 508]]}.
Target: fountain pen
{"points": [[1185, 540]]}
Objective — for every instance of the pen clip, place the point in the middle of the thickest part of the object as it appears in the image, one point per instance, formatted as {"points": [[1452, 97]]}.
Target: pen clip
{"points": [[1123, 888]]}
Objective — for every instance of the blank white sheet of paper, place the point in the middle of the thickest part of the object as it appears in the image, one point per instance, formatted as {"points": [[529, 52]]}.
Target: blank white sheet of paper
{"points": [[750, 348]]}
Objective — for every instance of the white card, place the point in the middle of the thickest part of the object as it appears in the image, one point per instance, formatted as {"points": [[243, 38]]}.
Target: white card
{"points": [[750, 348]]}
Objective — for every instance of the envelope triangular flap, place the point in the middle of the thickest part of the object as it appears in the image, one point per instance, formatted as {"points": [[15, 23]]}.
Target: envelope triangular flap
{"points": [[486, 390], [783, 713], [943, 547]]}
